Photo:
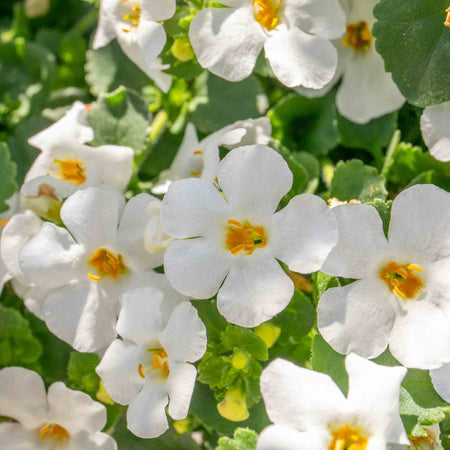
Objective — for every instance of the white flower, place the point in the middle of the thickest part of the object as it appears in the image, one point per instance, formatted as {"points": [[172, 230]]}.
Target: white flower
{"points": [[236, 238], [295, 35], [155, 238], [58, 419], [435, 125], [402, 294], [137, 26], [310, 412], [201, 158], [367, 91], [152, 367], [88, 266]]}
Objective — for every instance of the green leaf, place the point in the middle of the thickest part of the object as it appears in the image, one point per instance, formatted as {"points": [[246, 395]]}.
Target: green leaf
{"points": [[322, 282], [354, 180], [108, 68], [324, 359], [417, 60], [305, 124], [243, 439], [8, 170], [210, 316], [244, 339], [120, 118], [219, 103], [384, 210], [81, 372]]}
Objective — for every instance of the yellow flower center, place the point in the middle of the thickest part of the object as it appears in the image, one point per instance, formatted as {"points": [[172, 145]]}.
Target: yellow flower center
{"points": [[358, 36], [55, 432], [160, 361], [447, 20], [133, 16], [266, 13], [244, 238], [347, 438], [106, 264], [71, 170], [3, 222], [401, 279]]}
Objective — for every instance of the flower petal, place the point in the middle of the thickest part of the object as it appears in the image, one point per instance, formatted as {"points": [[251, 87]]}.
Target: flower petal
{"points": [[23, 396], [419, 222], [254, 178], [305, 232], [298, 58], [105, 30], [193, 207], [196, 267], [184, 337], [254, 291], [157, 10], [118, 370], [14, 436], [82, 315], [93, 441], [180, 386], [227, 41], [146, 415], [282, 437], [74, 410], [361, 240], [441, 381], [357, 318], [435, 130]]}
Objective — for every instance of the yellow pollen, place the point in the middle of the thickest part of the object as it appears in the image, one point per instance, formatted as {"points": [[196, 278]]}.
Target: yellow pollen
{"points": [[3, 222], [106, 264], [198, 152], [160, 361], [347, 438], [195, 174], [141, 371], [447, 20], [266, 13], [71, 170], [402, 280], [244, 237], [134, 16], [54, 431], [358, 36]]}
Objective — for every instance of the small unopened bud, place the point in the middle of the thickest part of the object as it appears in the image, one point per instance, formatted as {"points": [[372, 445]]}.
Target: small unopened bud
{"points": [[268, 332], [234, 406], [182, 50]]}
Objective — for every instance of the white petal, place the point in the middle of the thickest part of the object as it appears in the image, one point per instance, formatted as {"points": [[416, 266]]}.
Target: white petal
{"points": [[180, 386], [298, 397], [357, 318], [324, 18], [254, 291], [92, 216], [34, 297], [146, 415], [421, 336], [419, 222], [82, 315], [73, 126], [367, 91], [118, 370], [358, 11], [184, 337], [4, 275], [156, 73], [435, 131], [361, 240], [306, 231], [379, 387], [75, 410], [106, 24], [158, 10], [140, 319], [227, 41], [254, 179], [51, 258], [144, 45], [281, 437], [92, 441], [23, 396], [14, 437], [298, 58], [441, 381], [196, 267], [193, 207], [258, 131]]}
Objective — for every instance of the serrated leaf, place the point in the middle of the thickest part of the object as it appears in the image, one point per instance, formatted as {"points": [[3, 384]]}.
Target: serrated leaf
{"points": [[354, 180], [421, 39], [8, 170], [243, 439], [246, 340]]}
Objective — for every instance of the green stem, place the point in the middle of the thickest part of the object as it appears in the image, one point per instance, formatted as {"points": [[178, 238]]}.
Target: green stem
{"points": [[390, 152]]}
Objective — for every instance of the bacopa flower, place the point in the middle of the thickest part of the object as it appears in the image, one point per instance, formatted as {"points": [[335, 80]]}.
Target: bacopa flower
{"points": [[201, 158], [58, 419], [401, 296], [295, 36], [152, 367], [367, 91], [434, 124], [137, 26], [88, 266], [309, 411], [235, 237]]}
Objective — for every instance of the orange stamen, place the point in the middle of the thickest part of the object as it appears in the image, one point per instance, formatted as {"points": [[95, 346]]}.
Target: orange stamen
{"points": [[244, 237], [140, 371], [402, 280]]}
